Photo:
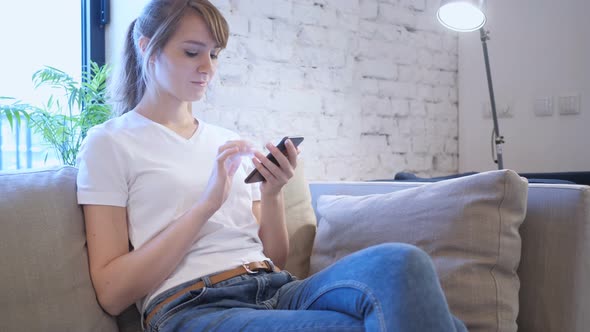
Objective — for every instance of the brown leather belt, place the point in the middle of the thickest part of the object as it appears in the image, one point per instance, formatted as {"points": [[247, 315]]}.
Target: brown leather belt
{"points": [[249, 268]]}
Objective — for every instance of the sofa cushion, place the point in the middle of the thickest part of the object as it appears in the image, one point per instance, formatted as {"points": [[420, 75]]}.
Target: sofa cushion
{"points": [[45, 280], [469, 226], [301, 222]]}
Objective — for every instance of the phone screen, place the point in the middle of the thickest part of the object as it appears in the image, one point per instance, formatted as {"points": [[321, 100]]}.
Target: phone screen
{"points": [[255, 176]]}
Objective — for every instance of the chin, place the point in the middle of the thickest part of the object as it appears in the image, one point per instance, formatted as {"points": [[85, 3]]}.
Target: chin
{"points": [[194, 97]]}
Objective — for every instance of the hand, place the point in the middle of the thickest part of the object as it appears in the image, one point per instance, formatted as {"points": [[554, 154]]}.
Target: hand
{"points": [[226, 164], [276, 176]]}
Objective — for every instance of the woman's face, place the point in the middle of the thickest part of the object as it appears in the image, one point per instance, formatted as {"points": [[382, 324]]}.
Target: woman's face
{"points": [[188, 61]]}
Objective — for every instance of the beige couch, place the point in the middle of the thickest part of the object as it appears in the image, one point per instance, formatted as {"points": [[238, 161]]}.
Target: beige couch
{"points": [[45, 284]]}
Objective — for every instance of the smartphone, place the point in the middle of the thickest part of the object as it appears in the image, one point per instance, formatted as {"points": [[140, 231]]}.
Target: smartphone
{"points": [[255, 176]]}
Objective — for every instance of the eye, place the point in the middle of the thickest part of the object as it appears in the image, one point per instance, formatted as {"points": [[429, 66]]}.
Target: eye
{"points": [[214, 55], [191, 54]]}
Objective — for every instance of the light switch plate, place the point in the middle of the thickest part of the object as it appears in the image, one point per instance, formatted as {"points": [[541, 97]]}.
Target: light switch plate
{"points": [[543, 106], [569, 104]]}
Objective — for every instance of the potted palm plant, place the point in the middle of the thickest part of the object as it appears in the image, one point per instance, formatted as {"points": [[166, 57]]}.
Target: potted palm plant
{"points": [[64, 119]]}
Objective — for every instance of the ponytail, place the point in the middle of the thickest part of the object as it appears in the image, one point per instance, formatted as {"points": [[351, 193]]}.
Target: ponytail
{"points": [[130, 87]]}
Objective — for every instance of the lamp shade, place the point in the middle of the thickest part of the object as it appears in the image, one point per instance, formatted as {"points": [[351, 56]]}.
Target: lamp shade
{"points": [[462, 15]]}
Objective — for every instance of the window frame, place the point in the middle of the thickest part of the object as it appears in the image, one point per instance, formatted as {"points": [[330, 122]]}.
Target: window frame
{"points": [[95, 18]]}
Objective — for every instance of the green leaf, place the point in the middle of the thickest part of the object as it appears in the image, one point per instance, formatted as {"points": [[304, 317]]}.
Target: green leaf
{"points": [[17, 117], [64, 119], [9, 118], [14, 112]]}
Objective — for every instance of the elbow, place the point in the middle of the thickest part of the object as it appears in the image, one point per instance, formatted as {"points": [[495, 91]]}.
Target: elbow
{"points": [[280, 264], [276, 249], [279, 259], [111, 293], [283, 261], [109, 305], [113, 311], [110, 300]]}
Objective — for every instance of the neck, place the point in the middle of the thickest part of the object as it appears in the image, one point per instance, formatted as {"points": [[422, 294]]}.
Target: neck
{"points": [[164, 108]]}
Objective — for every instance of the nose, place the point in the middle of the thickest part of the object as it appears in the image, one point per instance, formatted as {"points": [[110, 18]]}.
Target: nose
{"points": [[206, 65]]}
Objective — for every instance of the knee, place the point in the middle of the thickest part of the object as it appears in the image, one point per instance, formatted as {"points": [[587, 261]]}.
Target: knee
{"points": [[410, 259]]}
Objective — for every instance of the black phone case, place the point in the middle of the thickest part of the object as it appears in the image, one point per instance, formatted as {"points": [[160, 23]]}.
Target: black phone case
{"points": [[255, 176]]}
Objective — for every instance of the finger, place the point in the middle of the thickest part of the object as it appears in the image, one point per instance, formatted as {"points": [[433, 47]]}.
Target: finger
{"points": [[227, 145], [275, 170], [284, 163], [292, 153], [228, 152], [269, 165], [263, 170], [242, 145]]}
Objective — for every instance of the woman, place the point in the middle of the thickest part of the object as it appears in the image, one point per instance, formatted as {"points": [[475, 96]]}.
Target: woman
{"points": [[172, 226]]}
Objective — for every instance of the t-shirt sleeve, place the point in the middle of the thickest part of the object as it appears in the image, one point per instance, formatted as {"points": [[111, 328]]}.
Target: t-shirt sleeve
{"points": [[102, 176]]}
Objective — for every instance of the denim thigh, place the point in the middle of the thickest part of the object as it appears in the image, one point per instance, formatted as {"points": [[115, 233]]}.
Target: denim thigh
{"points": [[388, 287], [246, 303], [251, 291]]}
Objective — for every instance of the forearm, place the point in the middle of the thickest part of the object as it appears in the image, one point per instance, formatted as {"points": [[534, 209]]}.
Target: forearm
{"points": [[130, 277], [273, 229]]}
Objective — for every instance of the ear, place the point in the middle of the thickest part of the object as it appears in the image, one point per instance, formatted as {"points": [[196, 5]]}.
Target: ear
{"points": [[143, 43]]}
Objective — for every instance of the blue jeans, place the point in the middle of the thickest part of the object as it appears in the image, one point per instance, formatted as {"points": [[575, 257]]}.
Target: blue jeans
{"points": [[389, 287]]}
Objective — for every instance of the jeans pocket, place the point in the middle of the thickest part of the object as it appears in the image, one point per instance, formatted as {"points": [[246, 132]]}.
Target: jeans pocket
{"points": [[196, 295], [289, 276], [293, 277]]}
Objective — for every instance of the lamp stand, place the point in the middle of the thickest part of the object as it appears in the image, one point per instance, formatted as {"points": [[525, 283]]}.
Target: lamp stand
{"points": [[498, 140]]}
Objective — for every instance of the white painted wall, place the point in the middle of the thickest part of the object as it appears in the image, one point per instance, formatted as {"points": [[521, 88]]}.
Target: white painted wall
{"points": [[122, 14], [538, 48], [371, 84]]}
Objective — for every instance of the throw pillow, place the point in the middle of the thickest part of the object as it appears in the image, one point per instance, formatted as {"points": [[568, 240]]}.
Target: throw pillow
{"points": [[469, 226], [301, 222]]}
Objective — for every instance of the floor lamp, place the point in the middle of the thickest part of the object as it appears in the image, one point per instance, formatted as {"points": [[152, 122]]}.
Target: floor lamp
{"points": [[466, 16]]}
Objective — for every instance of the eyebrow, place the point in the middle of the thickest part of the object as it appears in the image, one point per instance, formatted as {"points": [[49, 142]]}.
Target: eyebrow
{"points": [[198, 43]]}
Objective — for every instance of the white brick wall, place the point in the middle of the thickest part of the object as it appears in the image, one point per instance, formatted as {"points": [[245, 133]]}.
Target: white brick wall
{"points": [[371, 84]]}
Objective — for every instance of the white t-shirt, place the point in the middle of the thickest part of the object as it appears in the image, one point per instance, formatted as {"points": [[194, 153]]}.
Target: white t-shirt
{"points": [[133, 162]]}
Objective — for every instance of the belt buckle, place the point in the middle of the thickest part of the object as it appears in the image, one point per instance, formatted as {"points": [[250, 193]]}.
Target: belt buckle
{"points": [[269, 265], [247, 268]]}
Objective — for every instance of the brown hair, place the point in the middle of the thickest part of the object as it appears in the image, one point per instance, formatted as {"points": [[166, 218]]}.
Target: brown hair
{"points": [[158, 22]]}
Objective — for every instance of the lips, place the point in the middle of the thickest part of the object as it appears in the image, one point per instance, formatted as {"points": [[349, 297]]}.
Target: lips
{"points": [[200, 83]]}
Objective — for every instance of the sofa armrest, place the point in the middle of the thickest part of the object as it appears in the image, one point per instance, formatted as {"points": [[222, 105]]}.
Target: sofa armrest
{"points": [[555, 263]]}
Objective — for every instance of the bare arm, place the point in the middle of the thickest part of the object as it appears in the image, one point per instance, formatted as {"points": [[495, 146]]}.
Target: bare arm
{"points": [[270, 211], [270, 214], [121, 277]]}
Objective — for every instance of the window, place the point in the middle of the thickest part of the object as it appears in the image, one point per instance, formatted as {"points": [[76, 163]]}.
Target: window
{"points": [[64, 34]]}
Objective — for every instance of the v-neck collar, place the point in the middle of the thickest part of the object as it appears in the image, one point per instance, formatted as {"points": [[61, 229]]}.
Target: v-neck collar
{"points": [[170, 131]]}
